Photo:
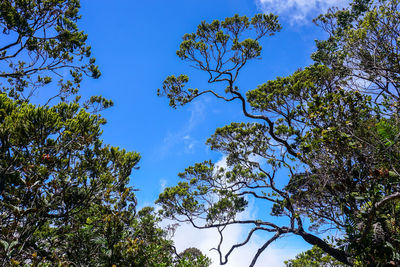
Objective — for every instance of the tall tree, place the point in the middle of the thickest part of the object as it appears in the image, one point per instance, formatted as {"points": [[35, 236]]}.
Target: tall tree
{"points": [[56, 175], [65, 197], [333, 126]]}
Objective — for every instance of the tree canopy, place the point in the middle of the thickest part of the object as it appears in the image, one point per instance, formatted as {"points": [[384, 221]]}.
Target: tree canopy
{"points": [[332, 126], [318, 149], [65, 198], [314, 257]]}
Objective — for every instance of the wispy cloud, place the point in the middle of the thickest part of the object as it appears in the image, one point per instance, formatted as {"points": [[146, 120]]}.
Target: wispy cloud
{"points": [[163, 184], [298, 11], [197, 110], [184, 135]]}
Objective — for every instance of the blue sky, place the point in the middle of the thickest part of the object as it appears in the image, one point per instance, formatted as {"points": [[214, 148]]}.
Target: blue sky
{"points": [[135, 42]]}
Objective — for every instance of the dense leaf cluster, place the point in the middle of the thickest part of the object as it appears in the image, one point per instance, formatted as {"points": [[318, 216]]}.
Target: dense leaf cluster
{"points": [[314, 257], [41, 43]]}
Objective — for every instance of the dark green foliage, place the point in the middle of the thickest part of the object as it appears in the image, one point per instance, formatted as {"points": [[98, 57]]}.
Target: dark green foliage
{"points": [[65, 198], [192, 257], [64, 194], [40, 43], [314, 257]]}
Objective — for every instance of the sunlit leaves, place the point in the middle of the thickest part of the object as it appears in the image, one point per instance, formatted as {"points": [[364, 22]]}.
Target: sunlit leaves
{"points": [[220, 48], [56, 175], [42, 43]]}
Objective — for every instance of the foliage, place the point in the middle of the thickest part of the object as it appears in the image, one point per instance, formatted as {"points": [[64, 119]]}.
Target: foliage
{"points": [[314, 257], [59, 182], [41, 43], [332, 126], [192, 257]]}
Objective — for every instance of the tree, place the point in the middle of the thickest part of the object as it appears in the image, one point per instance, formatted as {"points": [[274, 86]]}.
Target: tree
{"points": [[65, 197], [56, 174], [193, 257], [314, 257], [333, 126], [41, 43]]}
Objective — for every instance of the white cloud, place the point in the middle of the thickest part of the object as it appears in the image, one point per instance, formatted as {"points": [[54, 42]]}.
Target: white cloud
{"points": [[299, 11], [187, 236]]}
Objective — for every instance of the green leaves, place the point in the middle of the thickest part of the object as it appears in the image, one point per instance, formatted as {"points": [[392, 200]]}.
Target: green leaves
{"points": [[57, 178], [173, 88], [193, 257], [65, 198], [388, 132], [206, 195], [313, 258], [333, 127], [241, 142], [48, 31], [220, 49]]}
